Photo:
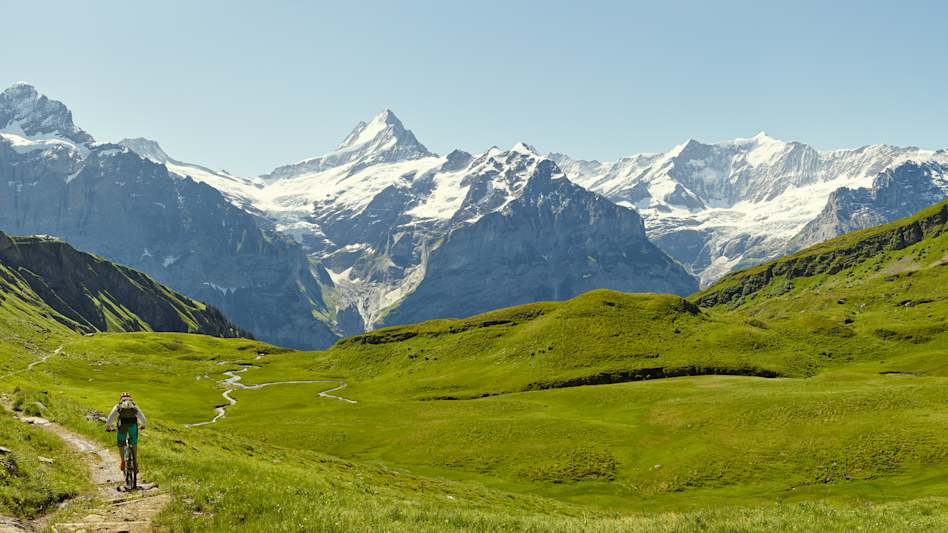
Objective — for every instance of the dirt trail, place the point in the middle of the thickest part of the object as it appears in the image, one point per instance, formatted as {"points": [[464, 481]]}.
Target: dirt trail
{"points": [[115, 511], [30, 366], [112, 511], [233, 383]]}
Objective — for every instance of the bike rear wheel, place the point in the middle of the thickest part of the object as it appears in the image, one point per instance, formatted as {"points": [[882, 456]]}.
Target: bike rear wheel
{"points": [[131, 469]]}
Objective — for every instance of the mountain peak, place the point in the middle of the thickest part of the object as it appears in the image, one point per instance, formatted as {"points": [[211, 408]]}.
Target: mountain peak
{"points": [[761, 138], [23, 108], [21, 89], [146, 148], [387, 116], [524, 148], [681, 148], [383, 139], [384, 126]]}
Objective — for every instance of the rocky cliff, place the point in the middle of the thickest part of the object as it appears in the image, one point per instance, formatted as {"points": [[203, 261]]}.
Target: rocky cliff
{"points": [[553, 241]]}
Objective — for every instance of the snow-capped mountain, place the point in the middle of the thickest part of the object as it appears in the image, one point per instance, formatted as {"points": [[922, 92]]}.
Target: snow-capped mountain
{"points": [[29, 120], [719, 207], [106, 199], [381, 212], [524, 233], [383, 230], [895, 193], [238, 190], [381, 140]]}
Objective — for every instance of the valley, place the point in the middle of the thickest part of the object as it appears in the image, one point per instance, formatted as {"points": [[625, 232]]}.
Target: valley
{"points": [[473, 267]]}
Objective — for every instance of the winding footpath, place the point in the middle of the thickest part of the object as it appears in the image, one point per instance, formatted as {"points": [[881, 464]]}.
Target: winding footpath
{"points": [[111, 511], [114, 511], [30, 366], [233, 383]]}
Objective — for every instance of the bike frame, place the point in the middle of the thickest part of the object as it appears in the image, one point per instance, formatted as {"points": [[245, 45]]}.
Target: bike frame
{"points": [[131, 466]]}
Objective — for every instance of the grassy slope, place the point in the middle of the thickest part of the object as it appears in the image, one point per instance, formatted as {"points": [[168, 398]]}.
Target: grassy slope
{"points": [[852, 430], [29, 486], [871, 446], [87, 293], [870, 247], [261, 468], [862, 297]]}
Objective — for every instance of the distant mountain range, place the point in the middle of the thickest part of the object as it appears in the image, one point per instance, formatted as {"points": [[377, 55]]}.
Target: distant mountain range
{"points": [[381, 231], [720, 207]]}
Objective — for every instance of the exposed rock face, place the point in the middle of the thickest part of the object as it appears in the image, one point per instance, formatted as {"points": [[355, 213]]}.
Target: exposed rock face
{"points": [[554, 241], [22, 108], [108, 200], [91, 294], [238, 190], [184, 233], [895, 193]]}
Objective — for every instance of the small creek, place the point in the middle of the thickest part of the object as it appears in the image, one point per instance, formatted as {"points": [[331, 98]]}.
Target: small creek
{"points": [[233, 383]]}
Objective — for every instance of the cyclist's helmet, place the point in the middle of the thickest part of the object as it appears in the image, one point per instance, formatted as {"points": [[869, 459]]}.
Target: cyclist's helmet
{"points": [[125, 395]]}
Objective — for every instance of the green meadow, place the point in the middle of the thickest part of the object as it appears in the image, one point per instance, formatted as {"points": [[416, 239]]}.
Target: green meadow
{"points": [[812, 396]]}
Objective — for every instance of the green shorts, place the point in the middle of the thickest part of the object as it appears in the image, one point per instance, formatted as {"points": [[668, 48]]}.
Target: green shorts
{"points": [[129, 433]]}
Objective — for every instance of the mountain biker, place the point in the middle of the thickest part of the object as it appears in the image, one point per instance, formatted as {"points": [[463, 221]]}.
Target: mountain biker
{"points": [[130, 420]]}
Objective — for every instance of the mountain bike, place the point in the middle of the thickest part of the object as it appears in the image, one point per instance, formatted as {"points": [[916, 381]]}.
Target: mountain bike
{"points": [[131, 467], [131, 463]]}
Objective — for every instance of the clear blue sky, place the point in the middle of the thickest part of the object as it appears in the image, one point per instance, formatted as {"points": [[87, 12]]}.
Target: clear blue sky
{"points": [[247, 87]]}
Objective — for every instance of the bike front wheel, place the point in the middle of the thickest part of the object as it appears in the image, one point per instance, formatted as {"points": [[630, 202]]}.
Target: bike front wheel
{"points": [[131, 469]]}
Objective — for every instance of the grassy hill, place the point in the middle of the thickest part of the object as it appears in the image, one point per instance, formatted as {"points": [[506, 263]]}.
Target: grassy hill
{"points": [[49, 293], [864, 297], [86, 293], [808, 394], [862, 260]]}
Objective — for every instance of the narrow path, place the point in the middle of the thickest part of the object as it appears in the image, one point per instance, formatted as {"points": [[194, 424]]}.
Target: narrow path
{"points": [[30, 366], [112, 511], [233, 382], [116, 511]]}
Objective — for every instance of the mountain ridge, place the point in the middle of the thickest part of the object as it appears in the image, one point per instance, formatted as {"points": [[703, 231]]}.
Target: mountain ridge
{"points": [[723, 206], [88, 294], [187, 234], [366, 220]]}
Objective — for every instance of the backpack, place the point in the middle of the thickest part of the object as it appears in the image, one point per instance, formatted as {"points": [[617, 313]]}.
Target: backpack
{"points": [[127, 410]]}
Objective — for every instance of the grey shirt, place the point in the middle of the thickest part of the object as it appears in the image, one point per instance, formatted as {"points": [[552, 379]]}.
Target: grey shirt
{"points": [[138, 414]]}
